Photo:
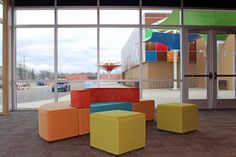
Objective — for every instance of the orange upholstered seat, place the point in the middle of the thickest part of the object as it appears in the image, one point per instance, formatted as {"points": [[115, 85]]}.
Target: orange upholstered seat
{"points": [[84, 116], [145, 106], [57, 121]]}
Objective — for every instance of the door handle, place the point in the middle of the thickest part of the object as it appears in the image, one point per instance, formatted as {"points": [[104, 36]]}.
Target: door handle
{"points": [[210, 75]]}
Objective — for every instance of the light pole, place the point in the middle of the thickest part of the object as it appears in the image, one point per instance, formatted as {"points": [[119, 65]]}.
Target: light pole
{"points": [[24, 68]]}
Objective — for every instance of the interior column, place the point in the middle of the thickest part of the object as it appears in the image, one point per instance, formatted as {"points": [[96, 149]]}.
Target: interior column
{"points": [[5, 58]]}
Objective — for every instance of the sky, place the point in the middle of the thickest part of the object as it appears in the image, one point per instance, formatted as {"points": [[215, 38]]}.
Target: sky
{"points": [[77, 47]]}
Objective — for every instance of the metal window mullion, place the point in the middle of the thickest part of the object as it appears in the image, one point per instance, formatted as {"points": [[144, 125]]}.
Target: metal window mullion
{"points": [[33, 8], [184, 55], [55, 53], [161, 26], [77, 26], [98, 42], [214, 68], [76, 7], [34, 26], [13, 95], [119, 25], [234, 68], [119, 7], [210, 62], [140, 50]]}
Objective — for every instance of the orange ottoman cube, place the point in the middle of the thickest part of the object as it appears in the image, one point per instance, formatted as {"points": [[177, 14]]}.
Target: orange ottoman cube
{"points": [[84, 120], [145, 106], [57, 121]]}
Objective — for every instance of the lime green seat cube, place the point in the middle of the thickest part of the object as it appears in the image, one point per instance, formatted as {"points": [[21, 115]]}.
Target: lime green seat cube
{"points": [[117, 131], [177, 117]]}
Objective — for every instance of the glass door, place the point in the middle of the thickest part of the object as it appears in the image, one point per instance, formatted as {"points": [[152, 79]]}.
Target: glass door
{"points": [[225, 70], [198, 74], [209, 78]]}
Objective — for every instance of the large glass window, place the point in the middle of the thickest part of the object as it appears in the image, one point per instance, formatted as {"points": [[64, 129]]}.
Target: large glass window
{"points": [[197, 86], [226, 66], [77, 16], [77, 51], [85, 49], [77, 59], [119, 51], [34, 66], [119, 17], [209, 18], [24, 17], [160, 17], [161, 64]]}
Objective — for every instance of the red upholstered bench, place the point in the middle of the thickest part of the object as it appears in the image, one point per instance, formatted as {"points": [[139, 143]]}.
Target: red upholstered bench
{"points": [[80, 98], [83, 98]]}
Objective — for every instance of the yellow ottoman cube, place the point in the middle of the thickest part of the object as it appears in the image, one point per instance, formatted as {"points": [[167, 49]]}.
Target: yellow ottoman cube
{"points": [[177, 117], [117, 131], [57, 121]]}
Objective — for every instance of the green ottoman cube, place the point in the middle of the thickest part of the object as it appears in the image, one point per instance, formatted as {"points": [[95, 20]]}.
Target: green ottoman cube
{"points": [[177, 117], [117, 131]]}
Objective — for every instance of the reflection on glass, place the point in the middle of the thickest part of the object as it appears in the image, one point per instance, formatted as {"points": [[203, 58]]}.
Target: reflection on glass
{"points": [[161, 59], [198, 66], [77, 16], [77, 53], [119, 52], [34, 54], [226, 66], [119, 17], [34, 17], [209, 18], [160, 17]]}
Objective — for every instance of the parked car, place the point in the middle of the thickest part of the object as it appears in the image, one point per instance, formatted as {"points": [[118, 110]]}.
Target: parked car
{"points": [[62, 87], [40, 83]]}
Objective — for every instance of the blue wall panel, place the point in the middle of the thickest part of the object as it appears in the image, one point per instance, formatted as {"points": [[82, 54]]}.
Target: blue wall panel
{"points": [[151, 56]]}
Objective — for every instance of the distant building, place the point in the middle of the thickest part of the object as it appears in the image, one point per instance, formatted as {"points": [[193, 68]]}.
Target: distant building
{"points": [[92, 77], [157, 63]]}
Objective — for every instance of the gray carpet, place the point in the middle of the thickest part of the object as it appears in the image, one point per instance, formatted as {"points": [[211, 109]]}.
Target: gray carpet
{"points": [[216, 137]]}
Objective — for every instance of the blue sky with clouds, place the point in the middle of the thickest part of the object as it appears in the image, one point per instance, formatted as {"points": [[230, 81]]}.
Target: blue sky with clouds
{"points": [[77, 47]]}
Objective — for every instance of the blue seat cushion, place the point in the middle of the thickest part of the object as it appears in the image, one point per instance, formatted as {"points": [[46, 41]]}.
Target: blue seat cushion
{"points": [[106, 106]]}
